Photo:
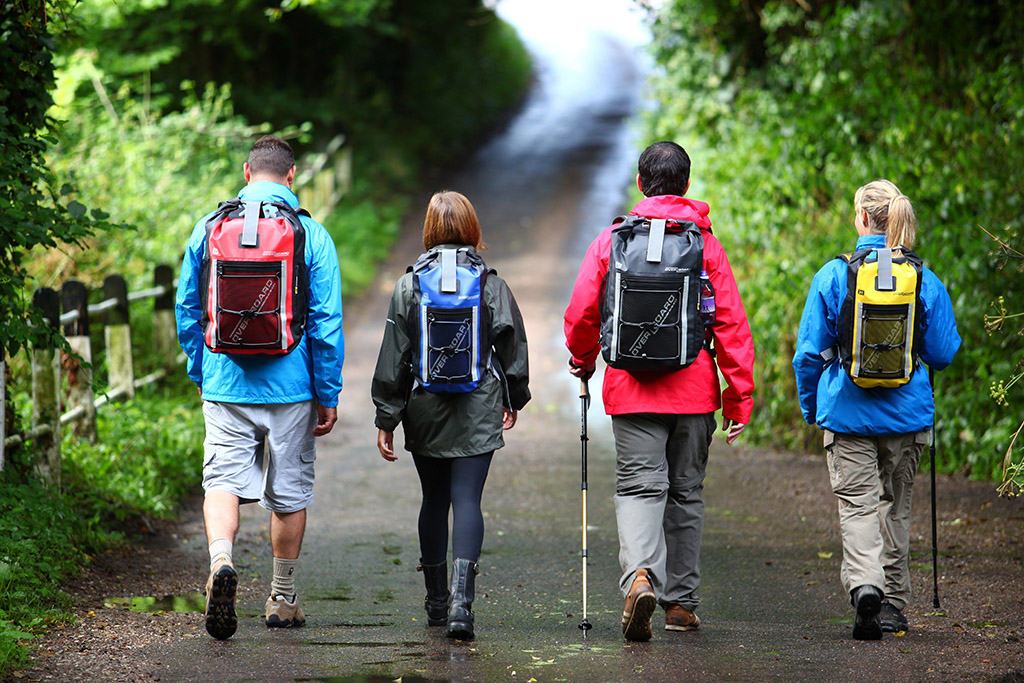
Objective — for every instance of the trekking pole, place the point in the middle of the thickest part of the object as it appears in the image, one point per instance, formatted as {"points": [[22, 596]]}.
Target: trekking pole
{"points": [[584, 404], [935, 526]]}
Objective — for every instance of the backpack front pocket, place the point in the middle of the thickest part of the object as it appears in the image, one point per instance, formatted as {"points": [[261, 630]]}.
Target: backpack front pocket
{"points": [[248, 304], [650, 319], [450, 353], [882, 343]]}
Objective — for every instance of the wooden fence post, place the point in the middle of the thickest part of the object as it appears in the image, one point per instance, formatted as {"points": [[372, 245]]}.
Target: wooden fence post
{"points": [[75, 297], [45, 392], [118, 335], [165, 332]]}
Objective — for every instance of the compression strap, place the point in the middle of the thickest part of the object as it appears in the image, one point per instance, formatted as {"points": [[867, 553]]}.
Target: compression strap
{"points": [[656, 240], [250, 234], [448, 279]]}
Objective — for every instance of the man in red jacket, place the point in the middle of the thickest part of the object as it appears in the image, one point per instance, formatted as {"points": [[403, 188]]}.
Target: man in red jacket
{"points": [[663, 420]]}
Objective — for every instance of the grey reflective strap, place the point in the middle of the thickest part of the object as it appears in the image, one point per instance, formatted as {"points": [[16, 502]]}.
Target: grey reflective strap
{"points": [[886, 282], [828, 354], [250, 234], [657, 239], [448, 281]]}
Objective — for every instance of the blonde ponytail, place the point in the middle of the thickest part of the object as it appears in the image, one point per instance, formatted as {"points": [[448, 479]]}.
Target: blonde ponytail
{"points": [[889, 213]]}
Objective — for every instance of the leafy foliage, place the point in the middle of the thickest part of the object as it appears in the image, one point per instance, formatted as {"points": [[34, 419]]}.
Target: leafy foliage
{"points": [[361, 67], [1001, 323], [36, 211], [44, 539], [148, 456], [784, 128]]}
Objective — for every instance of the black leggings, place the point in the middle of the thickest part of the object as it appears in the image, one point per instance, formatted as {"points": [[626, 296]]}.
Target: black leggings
{"points": [[455, 483]]}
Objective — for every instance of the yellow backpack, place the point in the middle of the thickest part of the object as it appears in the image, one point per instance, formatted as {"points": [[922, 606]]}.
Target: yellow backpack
{"points": [[880, 316]]}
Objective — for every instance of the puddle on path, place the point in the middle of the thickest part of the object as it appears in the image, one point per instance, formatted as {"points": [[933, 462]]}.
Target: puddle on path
{"points": [[189, 602], [364, 643], [367, 679]]}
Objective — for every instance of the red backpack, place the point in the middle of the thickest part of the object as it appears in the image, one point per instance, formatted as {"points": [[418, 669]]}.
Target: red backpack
{"points": [[253, 283]]}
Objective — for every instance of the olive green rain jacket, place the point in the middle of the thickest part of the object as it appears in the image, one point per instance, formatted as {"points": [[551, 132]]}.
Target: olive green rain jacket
{"points": [[451, 425]]}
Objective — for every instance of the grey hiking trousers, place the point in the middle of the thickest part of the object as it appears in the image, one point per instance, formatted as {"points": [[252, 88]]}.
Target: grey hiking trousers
{"points": [[873, 478], [659, 469]]}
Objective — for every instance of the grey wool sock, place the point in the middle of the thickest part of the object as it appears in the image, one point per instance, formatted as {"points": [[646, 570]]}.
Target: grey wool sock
{"points": [[220, 551], [284, 578]]}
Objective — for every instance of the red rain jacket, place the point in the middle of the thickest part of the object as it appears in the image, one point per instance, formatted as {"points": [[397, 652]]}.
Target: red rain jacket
{"points": [[693, 389]]}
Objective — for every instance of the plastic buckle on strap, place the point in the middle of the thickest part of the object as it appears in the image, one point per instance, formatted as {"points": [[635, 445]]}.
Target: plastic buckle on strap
{"points": [[656, 240]]}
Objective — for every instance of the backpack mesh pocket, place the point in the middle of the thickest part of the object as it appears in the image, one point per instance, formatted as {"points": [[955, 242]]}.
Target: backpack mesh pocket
{"points": [[450, 354], [650, 323], [248, 305], [883, 347]]}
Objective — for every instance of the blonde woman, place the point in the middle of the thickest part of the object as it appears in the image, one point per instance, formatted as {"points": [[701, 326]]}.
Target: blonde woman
{"points": [[452, 429], [874, 435]]}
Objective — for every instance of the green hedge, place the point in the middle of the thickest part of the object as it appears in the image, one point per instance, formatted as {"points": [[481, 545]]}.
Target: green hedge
{"points": [[787, 115]]}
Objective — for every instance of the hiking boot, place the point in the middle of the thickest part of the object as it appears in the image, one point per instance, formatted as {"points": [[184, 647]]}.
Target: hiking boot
{"points": [[284, 613], [435, 576], [221, 621], [678, 618], [891, 619], [867, 601], [640, 605], [463, 590]]}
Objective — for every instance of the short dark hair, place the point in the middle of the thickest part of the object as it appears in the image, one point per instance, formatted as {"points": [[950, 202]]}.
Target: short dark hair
{"points": [[664, 169], [271, 156]]}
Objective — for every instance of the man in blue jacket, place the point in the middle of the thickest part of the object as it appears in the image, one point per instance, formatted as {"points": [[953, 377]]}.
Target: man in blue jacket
{"points": [[250, 401]]}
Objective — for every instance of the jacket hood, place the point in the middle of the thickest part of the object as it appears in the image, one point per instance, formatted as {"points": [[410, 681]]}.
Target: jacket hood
{"points": [[269, 191], [672, 207], [870, 242]]}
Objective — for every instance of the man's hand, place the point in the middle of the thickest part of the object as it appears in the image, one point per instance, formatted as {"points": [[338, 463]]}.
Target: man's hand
{"points": [[582, 371], [732, 429], [386, 445], [508, 418], [325, 419]]}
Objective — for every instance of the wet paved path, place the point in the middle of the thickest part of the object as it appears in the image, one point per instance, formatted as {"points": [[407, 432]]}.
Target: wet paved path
{"points": [[771, 610]]}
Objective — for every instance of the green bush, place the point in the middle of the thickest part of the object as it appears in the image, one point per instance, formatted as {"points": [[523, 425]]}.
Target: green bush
{"points": [[44, 540], [783, 131]]}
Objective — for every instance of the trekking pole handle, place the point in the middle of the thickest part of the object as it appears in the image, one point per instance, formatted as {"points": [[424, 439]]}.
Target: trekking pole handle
{"points": [[584, 390]]}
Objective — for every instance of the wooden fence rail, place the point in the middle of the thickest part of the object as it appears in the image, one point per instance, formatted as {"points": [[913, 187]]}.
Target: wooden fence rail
{"points": [[71, 311]]}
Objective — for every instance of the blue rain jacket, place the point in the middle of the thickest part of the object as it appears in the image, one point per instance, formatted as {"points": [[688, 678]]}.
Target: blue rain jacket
{"points": [[312, 369], [829, 397]]}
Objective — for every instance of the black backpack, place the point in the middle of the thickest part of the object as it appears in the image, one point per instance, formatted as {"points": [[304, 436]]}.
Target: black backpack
{"points": [[650, 307]]}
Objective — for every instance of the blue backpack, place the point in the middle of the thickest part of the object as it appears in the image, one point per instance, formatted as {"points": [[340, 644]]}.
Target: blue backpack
{"points": [[450, 321]]}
